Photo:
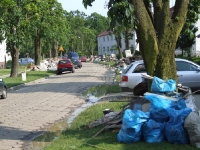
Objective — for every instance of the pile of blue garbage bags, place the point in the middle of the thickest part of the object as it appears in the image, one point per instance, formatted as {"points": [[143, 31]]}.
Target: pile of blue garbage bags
{"points": [[165, 119]]}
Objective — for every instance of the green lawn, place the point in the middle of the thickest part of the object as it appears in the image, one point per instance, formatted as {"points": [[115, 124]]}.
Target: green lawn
{"points": [[7, 71], [30, 76], [80, 137]]}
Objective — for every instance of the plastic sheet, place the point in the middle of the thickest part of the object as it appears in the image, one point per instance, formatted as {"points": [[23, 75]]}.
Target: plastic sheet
{"points": [[174, 130], [153, 132], [131, 126], [159, 85]]}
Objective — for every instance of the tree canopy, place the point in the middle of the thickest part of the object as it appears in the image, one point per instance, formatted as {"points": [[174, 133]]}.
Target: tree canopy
{"points": [[37, 28]]}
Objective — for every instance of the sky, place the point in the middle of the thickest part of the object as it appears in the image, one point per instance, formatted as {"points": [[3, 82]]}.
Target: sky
{"points": [[97, 6]]}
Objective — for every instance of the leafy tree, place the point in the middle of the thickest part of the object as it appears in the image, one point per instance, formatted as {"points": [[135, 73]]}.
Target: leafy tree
{"points": [[122, 9], [157, 32], [12, 24], [187, 36]]}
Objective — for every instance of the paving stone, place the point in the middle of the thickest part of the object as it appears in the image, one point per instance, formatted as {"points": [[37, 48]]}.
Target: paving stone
{"points": [[36, 105]]}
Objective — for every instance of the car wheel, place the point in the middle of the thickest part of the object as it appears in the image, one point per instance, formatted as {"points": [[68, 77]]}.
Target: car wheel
{"points": [[58, 72], [4, 93], [73, 70]]}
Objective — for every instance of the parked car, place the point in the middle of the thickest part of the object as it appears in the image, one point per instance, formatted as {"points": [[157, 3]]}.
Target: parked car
{"points": [[77, 62], [65, 65], [3, 89], [188, 74], [71, 55], [83, 59], [25, 61]]}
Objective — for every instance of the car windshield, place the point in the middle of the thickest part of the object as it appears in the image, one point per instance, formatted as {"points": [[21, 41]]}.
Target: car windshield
{"points": [[64, 61]]}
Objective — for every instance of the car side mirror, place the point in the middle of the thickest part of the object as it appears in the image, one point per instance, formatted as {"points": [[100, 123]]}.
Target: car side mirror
{"points": [[198, 69]]}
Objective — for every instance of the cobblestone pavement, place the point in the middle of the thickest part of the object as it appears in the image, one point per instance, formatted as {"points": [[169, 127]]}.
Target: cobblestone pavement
{"points": [[28, 110]]}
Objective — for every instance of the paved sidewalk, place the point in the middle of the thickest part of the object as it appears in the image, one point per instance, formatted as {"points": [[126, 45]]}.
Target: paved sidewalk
{"points": [[33, 107]]}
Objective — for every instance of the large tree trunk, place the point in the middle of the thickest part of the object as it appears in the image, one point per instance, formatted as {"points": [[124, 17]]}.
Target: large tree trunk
{"points": [[37, 48], [157, 38], [15, 58]]}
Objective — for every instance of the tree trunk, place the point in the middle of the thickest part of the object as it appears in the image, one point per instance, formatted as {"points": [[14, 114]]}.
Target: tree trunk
{"points": [[157, 38], [55, 49], [37, 48], [15, 58], [127, 42], [118, 39]]}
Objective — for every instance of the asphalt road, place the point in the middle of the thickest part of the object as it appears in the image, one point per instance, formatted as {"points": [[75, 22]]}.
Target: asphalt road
{"points": [[31, 108]]}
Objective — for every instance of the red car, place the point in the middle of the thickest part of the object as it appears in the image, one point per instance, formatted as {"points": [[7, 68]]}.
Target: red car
{"points": [[65, 65], [83, 59]]}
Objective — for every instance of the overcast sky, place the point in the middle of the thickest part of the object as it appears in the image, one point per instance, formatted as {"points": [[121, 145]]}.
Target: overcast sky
{"points": [[71, 5]]}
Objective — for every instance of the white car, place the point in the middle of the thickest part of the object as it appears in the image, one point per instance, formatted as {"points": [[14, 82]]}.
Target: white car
{"points": [[188, 74]]}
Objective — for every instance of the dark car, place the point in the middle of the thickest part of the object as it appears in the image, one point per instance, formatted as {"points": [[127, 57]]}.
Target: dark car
{"points": [[77, 62], [3, 89], [83, 59], [72, 55], [65, 65]]}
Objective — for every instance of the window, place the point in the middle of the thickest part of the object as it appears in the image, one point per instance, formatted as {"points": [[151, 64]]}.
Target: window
{"points": [[185, 66], [104, 49], [127, 69], [139, 69], [111, 38], [108, 49], [108, 38], [104, 39]]}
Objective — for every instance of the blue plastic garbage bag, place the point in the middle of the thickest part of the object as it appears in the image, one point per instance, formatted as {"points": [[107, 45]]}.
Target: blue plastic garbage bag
{"points": [[159, 85], [131, 126], [158, 106], [174, 128], [180, 104], [153, 132]]}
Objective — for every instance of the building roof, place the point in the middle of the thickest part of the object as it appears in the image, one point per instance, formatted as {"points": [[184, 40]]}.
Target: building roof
{"points": [[104, 33]]}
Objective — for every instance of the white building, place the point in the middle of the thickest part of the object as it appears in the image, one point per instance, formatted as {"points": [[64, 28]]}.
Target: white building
{"points": [[106, 43], [4, 57]]}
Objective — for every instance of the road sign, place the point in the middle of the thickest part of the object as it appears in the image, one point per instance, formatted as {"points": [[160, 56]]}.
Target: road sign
{"points": [[61, 49]]}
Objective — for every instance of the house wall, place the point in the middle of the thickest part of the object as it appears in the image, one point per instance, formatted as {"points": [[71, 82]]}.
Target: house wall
{"points": [[106, 42], [3, 55], [196, 46]]}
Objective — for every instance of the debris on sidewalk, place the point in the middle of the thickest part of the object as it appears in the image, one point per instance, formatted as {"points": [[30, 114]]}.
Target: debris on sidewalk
{"points": [[161, 115]]}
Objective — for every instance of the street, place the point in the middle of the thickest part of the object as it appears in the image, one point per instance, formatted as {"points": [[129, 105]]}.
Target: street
{"points": [[32, 108]]}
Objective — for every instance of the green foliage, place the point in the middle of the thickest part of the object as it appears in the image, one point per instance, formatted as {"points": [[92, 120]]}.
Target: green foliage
{"points": [[8, 64], [30, 76], [187, 36]]}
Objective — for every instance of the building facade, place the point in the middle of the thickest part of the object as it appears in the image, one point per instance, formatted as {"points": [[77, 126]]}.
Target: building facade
{"points": [[4, 57], [107, 43]]}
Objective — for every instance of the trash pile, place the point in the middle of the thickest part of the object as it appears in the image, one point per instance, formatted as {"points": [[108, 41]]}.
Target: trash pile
{"points": [[171, 116], [45, 65]]}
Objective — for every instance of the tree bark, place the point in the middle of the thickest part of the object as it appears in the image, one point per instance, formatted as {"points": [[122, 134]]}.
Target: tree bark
{"points": [[158, 35], [37, 48], [15, 63], [127, 41], [55, 49], [118, 39]]}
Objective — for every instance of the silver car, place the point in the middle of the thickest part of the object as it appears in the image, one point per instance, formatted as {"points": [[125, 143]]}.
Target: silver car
{"points": [[188, 74]]}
